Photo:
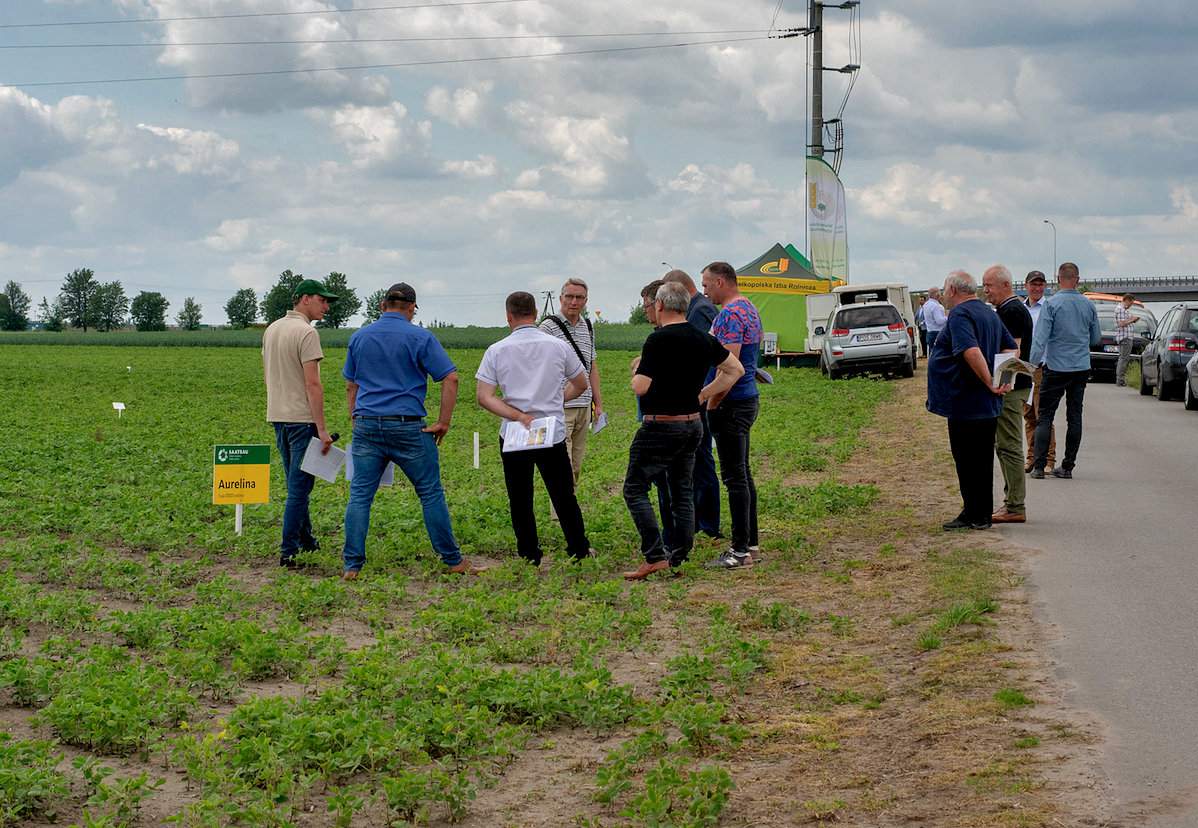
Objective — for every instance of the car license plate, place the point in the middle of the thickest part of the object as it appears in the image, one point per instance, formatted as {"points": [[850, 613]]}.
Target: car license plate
{"points": [[870, 337], [1111, 349]]}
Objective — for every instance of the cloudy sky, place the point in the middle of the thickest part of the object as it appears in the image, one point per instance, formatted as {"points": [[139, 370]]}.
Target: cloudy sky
{"points": [[970, 124]]}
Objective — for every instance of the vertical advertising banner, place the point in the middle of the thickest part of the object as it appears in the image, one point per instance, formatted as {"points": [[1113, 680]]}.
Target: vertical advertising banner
{"points": [[827, 221]]}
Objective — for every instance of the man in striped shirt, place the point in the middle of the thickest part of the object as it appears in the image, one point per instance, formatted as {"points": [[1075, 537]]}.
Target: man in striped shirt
{"points": [[1124, 336], [575, 330]]}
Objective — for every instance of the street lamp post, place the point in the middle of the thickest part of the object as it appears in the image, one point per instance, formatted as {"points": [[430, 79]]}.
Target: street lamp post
{"points": [[1054, 245], [667, 264]]}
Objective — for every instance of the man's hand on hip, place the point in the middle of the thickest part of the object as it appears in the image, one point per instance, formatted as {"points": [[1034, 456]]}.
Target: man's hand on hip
{"points": [[438, 430]]}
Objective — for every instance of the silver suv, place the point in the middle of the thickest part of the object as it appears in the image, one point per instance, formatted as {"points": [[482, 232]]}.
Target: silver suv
{"points": [[869, 336]]}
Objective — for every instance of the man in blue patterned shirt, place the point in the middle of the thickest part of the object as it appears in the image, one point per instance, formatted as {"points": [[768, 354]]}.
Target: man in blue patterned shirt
{"points": [[738, 327]]}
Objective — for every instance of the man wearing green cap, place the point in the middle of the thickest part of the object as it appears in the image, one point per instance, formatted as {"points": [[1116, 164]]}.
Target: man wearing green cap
{"points": [[291, 358]]}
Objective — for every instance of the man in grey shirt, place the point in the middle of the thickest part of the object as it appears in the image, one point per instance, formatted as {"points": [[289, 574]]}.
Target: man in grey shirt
{"points": [[1068, 328]]}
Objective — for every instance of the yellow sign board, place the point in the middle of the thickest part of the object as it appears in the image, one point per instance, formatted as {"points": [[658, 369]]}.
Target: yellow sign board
{"points": [[240, 474], [765, 284]]}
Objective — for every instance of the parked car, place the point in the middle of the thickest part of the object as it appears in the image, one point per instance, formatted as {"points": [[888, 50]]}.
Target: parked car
{"points": [[1163, 362], [867, 336], [1190, 392], [1105, 357]]}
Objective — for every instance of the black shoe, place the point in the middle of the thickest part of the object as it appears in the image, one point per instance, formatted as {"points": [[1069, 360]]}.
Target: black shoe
{"points": [[1037, 474], [1063, 474], [290, 563], [956, 523], [980, 526], [713, 534]]}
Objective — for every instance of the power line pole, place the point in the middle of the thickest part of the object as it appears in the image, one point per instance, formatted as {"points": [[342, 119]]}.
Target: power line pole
{"points": [[548, 303], [815, 30], [815, 25]]}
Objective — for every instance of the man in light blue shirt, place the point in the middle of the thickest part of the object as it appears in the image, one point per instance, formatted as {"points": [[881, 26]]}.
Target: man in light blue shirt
{"points": [[934, 317], [1067, 329]]}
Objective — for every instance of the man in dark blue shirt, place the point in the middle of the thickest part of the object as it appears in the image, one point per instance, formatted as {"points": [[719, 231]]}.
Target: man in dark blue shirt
{"points": [[701, 314], [961, 388], [386, 371]]}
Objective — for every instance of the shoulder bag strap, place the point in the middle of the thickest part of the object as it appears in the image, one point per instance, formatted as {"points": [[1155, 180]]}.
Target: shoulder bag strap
{"points": [[570, 339]]}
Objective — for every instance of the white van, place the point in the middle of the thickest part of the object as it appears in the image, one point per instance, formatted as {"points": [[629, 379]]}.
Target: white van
{"points": [[819, 310], [896, 293]]}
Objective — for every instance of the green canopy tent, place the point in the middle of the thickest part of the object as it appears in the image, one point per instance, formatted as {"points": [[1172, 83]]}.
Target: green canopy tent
{"points": [[778, 282]]}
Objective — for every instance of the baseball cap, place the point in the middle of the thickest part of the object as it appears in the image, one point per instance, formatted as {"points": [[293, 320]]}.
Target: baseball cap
{"points": [[1035, 276], [401, 292], [311, 287]]}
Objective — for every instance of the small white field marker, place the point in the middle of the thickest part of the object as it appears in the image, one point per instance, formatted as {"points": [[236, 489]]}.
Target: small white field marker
{"points": [[476, 449], [119, 407]]}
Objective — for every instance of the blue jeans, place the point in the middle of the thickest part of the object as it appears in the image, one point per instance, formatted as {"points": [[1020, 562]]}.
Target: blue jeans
{"points": [[292, 440], [376, 443]]}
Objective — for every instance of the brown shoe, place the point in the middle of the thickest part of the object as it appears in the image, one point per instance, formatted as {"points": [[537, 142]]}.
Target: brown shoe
{"points": [[646, 569], [465, 568], [1004, 516], [350, 575]]}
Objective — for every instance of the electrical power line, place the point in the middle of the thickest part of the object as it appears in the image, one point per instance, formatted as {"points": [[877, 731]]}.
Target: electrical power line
{"points": [[243, 15], [354, 40], [377, 66], [777, 11]]}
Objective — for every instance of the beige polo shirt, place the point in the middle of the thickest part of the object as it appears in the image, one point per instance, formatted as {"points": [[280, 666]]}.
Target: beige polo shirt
{"points": [[287, 344]]}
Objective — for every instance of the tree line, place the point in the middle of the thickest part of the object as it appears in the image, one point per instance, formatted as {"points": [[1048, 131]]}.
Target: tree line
{"points": [[85, 302], [244, 309]]}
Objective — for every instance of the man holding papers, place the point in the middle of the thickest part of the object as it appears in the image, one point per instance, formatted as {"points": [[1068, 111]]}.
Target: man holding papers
{"points": [[291, 358], [996, 282], [669, 380], [387, 369], [537, 374], [961, 388]]}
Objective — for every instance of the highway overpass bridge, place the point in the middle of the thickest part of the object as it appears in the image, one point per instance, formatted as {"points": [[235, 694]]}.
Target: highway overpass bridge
{"points": [[1146, 288]]}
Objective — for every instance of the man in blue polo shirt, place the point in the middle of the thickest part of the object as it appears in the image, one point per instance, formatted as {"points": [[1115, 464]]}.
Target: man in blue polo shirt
{"points": [[386, 372], [961, 387]]}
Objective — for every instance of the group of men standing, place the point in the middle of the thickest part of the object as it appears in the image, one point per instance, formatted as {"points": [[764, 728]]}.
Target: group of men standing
{"points": [[1055, 336], [694, 383]]}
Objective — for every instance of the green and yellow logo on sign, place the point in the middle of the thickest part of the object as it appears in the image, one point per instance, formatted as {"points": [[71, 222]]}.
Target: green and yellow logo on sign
{"points": [[240, 474]]}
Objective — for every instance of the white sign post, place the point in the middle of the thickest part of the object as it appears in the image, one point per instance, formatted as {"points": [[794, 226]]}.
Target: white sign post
{"points": [[119, 407], [476, 449], [238, 510]]}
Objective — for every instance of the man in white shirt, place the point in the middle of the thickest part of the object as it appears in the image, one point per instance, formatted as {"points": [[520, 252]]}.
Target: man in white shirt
{"points": [[1035, 284], [537, 374], [934, 316]]}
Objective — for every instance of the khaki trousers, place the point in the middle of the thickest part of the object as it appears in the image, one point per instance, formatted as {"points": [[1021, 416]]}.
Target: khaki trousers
{"points": [[578, 428], [1008, 445], [1030, 413]]}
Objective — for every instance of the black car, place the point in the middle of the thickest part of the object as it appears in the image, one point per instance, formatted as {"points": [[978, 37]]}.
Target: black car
{"points": [[1105, 356], [1163, 362]]}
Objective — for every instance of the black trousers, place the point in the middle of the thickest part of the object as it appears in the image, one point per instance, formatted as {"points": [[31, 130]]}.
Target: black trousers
{"points": [[554, 466], [707, 483], [1056, 384], [731, 423], [668, 448], [972, 444]]}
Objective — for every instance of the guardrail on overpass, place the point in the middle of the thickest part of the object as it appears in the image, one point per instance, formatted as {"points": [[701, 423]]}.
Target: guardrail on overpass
{"points": [[1146, 288]]}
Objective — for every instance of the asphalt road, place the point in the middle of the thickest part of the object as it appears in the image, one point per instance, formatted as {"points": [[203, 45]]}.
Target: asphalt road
{"points": [[1116, 579]]}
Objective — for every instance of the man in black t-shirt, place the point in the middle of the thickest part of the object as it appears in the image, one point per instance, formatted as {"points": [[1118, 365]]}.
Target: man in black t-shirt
{"points": [[1008, 444], [669, 379]]}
